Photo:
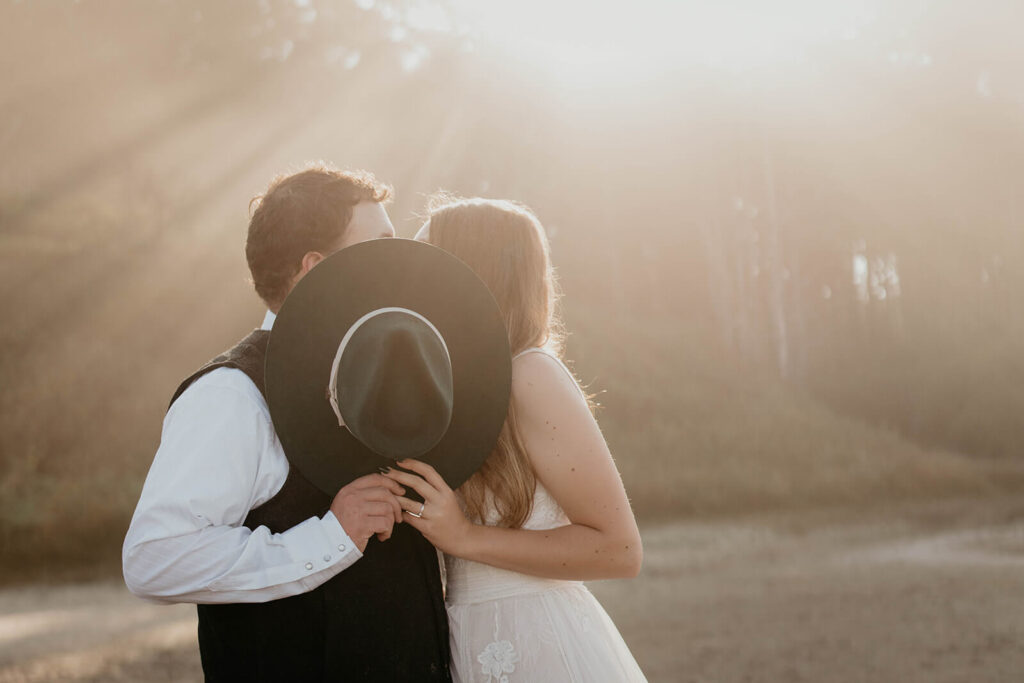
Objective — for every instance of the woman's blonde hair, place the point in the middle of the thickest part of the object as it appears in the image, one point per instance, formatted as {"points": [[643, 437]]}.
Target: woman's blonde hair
{"points": [[505, 245]]}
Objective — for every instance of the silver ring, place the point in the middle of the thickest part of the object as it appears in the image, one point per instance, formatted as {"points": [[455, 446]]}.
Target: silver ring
{"points": [[420, 513]]}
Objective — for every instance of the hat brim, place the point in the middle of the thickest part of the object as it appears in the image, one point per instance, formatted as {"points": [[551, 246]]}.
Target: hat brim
{"points": [[338, 292]]}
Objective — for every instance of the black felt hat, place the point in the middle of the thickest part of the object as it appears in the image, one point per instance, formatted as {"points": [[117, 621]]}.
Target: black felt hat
{"points": [[385, 350]]}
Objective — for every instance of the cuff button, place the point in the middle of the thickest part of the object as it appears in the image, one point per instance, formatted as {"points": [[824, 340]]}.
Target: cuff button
{"points": [[309, 565]]}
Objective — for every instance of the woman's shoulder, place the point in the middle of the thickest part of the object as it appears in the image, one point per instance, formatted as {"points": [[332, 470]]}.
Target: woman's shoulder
{"points": [[539, 377], [538, 365]]}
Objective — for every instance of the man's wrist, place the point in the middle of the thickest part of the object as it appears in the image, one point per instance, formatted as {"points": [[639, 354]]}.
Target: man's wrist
{"points": [[339, 538]]}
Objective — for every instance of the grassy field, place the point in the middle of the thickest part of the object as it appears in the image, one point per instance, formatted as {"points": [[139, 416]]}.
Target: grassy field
{"points": [[717, 437]]}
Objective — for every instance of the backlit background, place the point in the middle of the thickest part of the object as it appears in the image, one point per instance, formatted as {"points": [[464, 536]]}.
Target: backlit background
{"points": [[789, 234]]}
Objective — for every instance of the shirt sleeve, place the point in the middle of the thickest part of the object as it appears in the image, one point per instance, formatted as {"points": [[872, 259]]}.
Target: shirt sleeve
{"points": [[217, 459]]}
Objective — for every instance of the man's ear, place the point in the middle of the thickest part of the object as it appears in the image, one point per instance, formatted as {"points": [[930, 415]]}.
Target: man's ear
{"points": [[309, 260]]}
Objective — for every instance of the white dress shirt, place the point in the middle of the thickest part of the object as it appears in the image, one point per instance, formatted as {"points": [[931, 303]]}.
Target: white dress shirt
{"points": [[219, 457]]}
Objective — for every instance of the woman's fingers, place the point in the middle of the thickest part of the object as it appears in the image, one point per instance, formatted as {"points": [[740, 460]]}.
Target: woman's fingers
{"points": [[376, 508], [374, 480], [410, 505], [425, 471], [416, 483], [390, 498], [416, 523], [381, 494], [439, 519], [393, 508]]}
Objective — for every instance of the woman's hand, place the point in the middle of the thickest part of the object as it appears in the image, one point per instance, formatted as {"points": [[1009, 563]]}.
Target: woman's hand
{"points": [[439, 518]]}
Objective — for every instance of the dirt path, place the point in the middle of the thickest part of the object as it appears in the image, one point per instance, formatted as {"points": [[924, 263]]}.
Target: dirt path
{"points": [[924, 594], [94, 631], [928, 593]]}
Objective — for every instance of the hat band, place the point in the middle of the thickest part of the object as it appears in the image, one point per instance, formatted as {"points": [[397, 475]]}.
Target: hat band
{"points": [[332, 387]]}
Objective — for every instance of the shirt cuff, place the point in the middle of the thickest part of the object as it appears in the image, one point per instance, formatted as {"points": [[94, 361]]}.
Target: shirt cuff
{"points": [[326, 545], [337, 538], [339, 552]]}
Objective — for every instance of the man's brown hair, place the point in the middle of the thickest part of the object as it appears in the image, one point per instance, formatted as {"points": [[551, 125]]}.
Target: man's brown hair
{"points": [[299, 213]]}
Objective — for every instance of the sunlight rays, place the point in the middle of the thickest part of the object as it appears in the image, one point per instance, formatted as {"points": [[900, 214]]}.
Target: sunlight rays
{"points": [[589, 41]]}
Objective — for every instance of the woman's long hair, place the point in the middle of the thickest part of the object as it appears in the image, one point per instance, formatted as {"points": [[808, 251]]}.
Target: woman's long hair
{"points": [[505, 245]]}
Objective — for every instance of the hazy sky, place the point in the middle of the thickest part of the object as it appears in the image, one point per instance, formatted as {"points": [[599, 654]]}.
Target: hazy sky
{"points": [[646, 34]]}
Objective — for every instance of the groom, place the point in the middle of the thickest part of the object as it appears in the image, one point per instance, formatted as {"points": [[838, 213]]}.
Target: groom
{"points": [[290, 584]]}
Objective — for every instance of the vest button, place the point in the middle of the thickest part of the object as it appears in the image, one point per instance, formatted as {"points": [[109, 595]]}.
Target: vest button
{"points": [[341, 547], [327, 558], [309, 565]]}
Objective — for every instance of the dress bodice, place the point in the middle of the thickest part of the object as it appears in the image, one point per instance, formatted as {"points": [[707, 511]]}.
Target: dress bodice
{"points": [[508, 627], [469, 582], [544, 514]]}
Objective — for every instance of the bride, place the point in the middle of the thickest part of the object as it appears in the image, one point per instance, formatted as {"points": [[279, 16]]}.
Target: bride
{"points": [[547, 510]]}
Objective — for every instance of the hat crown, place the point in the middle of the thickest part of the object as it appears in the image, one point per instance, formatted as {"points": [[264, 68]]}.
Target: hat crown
{"points": [[393, 383]]}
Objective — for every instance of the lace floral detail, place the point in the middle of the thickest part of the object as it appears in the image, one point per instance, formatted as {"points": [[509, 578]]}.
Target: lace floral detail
{"points": [[498, 658]]}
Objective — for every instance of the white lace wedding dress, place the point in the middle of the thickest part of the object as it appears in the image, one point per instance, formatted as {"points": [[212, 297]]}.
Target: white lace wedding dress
{"points": [[508, 627]]}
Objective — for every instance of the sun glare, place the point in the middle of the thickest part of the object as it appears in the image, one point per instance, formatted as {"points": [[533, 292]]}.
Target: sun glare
{"points": [[582, 40]]}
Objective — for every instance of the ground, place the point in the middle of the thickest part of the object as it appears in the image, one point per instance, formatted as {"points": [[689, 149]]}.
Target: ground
{"points": [[915, 593]]}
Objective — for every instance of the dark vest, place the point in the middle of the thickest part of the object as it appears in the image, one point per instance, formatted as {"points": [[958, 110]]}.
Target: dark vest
{"points": [[381, 619]]}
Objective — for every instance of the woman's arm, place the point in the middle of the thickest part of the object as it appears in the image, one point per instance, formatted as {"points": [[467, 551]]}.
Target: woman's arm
{"points": [[572, 461]]}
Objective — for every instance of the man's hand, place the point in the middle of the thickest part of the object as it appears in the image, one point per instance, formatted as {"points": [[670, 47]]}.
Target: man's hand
{"points": [[368, 506]]}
